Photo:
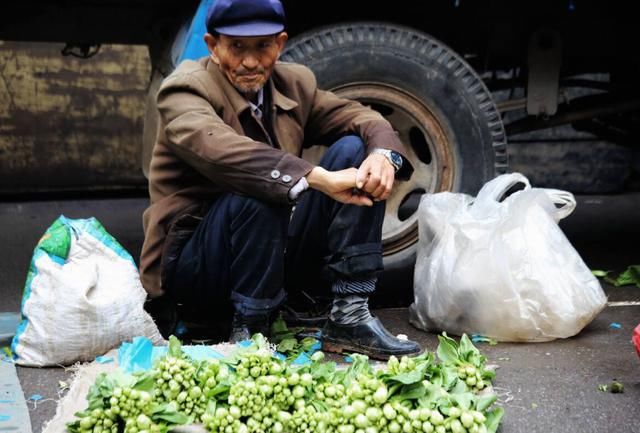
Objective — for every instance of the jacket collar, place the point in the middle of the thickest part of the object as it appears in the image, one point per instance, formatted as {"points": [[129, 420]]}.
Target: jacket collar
{"points": [[237, 101], [279, 99]]}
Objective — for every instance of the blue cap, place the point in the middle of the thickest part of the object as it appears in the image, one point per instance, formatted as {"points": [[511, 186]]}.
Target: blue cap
{"points": [[246, 17]]}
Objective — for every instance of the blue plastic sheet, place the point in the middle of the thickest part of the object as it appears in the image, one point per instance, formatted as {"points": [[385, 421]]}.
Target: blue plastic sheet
{"points": [[135, 356], [140, 354]]}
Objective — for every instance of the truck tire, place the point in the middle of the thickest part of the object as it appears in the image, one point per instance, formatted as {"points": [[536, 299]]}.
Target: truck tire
{"points": [[444, 114]]}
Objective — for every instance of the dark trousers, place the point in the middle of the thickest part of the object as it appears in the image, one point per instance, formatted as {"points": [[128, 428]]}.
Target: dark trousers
{"points": [[250, 253]]}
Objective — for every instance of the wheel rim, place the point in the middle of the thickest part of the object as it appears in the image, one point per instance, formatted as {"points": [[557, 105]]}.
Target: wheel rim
{"points": [[428, 147]]}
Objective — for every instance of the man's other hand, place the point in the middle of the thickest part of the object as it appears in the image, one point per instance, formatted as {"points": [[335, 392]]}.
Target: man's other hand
{"points": [[375, 177], [339, 185]]}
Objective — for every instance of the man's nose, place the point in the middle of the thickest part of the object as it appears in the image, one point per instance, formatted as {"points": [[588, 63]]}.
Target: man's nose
{"points": [[250, 61]]}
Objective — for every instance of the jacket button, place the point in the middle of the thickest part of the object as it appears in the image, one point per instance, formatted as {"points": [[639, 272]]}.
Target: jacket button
{"points": [[275, 174], [286, 178]]}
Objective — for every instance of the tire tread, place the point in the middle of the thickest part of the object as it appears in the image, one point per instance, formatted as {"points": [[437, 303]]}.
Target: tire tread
{"points": [[407, 39]]}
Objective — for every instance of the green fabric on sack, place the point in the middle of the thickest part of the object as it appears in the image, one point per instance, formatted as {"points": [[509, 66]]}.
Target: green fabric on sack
{"points": [[56, 241]]}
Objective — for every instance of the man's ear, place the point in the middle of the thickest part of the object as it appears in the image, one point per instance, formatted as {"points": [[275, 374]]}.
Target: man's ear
{"points": [[212, 44], [281, 40]]}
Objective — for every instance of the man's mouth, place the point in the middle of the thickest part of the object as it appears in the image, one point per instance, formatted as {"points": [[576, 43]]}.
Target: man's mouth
{"points": [[249, 76]]}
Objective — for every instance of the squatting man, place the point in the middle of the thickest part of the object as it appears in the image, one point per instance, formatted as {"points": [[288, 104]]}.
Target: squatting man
{"points": [[226, 173]]}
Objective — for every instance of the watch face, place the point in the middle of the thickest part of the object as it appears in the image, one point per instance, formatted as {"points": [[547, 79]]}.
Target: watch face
{"points": [[397, 159]]}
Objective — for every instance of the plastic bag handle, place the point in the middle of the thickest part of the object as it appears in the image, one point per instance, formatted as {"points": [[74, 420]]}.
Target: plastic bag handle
{"points": [[494, 189], [565, 199]]}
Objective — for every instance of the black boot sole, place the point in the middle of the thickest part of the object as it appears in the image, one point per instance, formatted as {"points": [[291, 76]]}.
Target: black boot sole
{"points": [[340, 347]]}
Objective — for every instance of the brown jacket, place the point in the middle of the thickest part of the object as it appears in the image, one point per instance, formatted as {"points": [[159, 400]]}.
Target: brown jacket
{"points": [[209, 142]]}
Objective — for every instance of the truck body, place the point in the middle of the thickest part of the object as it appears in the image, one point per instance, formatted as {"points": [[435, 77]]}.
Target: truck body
{"points": [[470, 86]]}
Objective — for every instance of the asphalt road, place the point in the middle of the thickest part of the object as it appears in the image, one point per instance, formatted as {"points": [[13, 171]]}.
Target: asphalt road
{"points": [[544, 387]]}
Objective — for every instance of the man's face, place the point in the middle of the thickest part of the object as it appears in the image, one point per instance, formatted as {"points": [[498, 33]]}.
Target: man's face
{"points": [[246, 61]]}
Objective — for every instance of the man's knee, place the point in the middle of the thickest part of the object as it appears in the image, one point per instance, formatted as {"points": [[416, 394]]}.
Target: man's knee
{"points": [[348, 151], [245, 208]]}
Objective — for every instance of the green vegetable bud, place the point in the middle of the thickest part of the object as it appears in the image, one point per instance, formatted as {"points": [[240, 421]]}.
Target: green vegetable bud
{"points": [[317, 356], [440, 429], [427, 427], [173, 385], [471, 381], [86, 422], [298, 391], [195, 392], [436, 418], [294, 379], [373, 413], [456, 426], [454, 412], [479, 417], [235, 412], [424, 414], [355, 390], [394, 427], [466, 419], [360, 406], [361, 420], [380, 395], [306, 379], [406, 427], [389, 412], [349, 412], [181, 397], [266, 389], [275, 368], [143, 421]]}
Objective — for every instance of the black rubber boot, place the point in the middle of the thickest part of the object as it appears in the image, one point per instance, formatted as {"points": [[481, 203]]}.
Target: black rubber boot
{"points": [[369, 338]]}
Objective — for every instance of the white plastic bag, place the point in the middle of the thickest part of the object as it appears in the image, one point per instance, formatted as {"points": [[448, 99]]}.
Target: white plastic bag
{"points": [[501, 269], [82, 297]]}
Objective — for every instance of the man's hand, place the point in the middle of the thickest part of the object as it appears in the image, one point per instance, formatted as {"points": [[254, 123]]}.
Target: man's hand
{"points": [[339, 185], [375, 177]]}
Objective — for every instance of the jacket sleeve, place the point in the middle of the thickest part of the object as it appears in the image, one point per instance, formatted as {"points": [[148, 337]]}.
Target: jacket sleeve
{"points": [[199, 137], [332, 117]]}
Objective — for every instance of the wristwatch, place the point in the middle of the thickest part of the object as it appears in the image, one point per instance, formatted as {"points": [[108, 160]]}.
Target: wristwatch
{"points": [[394, 157]]}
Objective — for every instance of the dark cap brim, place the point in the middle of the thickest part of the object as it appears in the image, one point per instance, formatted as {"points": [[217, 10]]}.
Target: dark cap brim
{"points": [[251, 28]]}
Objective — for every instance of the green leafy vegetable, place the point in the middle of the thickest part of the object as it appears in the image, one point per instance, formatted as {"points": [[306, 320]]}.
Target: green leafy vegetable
{"points": [[252, 391]]}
